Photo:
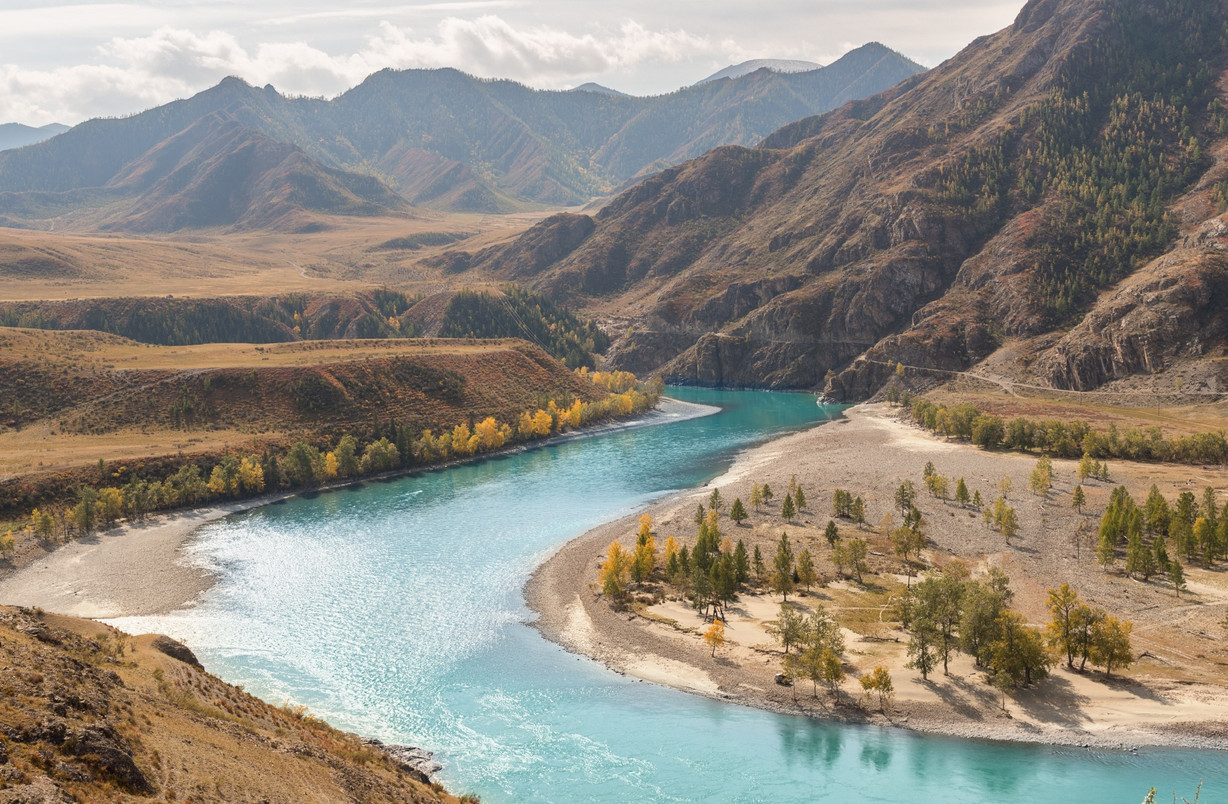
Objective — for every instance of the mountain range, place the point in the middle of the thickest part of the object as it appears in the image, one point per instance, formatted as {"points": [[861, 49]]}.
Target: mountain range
{"points": [[437, 138], [17, 135], [1054, 193]]}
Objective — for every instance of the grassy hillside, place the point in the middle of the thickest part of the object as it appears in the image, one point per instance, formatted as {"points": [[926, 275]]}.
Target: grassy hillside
{"points": [[93, 714]]}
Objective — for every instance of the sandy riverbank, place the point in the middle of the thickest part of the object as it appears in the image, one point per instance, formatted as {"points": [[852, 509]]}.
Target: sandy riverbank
{"points": [[1174, 695], [139, 569]]}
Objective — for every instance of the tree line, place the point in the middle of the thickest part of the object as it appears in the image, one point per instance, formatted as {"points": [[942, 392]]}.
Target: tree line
{"points": [[304, 464]]}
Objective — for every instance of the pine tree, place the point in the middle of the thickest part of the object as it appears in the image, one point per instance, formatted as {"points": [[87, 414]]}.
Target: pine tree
{"points": [[756, 496], [857, 512], [757, 565], [737, 512], [741, 564], [799, 498], [961, 493], [788, 510], [805, 570], [1078, 499], [831, 533], [1106, 551], [715, 503], [977, 502], [715, 635], [767, 494], [1176, 576], [782, 568]]}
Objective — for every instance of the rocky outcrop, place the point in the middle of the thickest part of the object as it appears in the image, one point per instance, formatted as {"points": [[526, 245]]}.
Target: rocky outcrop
{"points": [[1171, 310]]}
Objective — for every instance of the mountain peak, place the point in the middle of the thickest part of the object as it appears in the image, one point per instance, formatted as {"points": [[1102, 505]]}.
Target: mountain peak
{"points": [[748, 67]]}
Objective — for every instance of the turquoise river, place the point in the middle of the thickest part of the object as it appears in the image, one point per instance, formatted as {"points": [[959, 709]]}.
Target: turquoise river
{"points": [[395, 609]]}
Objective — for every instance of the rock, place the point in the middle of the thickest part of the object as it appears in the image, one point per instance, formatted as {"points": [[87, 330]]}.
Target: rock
{"points": [[41, 791], [102, 747], [176, 650], [416, 762]]}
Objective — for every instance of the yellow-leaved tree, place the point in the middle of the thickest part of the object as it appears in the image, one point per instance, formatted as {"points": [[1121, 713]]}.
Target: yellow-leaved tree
{"points": [[615, 571], [715, 635]]}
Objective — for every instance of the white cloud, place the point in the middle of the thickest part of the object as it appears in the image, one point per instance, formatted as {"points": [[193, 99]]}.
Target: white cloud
{"points": [[173, 62]]}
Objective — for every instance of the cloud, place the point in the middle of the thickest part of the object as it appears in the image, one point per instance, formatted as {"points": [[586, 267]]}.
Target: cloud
{"points": [[174, 62]]}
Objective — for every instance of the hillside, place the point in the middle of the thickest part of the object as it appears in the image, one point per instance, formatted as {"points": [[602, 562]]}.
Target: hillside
{"points": [[92, 714], [168, 321], [436, 137], [1057, 186], [16, 135]]}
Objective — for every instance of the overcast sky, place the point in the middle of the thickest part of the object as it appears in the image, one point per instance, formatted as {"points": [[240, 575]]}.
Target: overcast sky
{"points": [[69, 62]]}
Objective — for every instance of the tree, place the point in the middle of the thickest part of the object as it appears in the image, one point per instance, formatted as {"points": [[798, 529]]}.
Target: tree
{"points": [[833, 671], [856, 553], [1004, 486], [1019, 654], [1111, 644], [1041, 479], [857, 511], [1078, 499], [737, 512], [756, 496], [347, 456], [921, 654], [1139, 559], [757, 565], [701, 514], [614, 571], [805, 569], [715, 635], [961, 493], [977, 502], [982, 604], [788, 510], [1083, 623], [937, 609], [43, 524], [905, 497], [644, 557], [715, 503], [767, 494], [1063, 601], [799, 498], [303, 464], [1156, 514], [879, 680], [831, 533], [8, 542], [782, 568], [1160, 548], [789, 628], [1176, 576], [1106, 550], [85, 513]]}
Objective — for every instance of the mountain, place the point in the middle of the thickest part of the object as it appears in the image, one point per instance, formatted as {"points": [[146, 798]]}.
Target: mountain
{"points": [[16, 135], [448, 140], [1056, 187], [775, 65], [599, 89]]}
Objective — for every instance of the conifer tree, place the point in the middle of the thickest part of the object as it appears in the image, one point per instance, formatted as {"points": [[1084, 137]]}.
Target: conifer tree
{"points": [[831, 533], [799, 498], [961, 493], [788, 510], [737, 512], [806, 574], [1176, 576], [1078, 499], [782, 568]]}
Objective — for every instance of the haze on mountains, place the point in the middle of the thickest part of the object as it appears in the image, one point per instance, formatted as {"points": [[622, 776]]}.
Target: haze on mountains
{"points": [[16, 135], [1057, 186], [237, 155]]}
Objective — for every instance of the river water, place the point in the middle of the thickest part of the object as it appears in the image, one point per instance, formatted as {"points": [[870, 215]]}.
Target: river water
{"points": [[394, 609]]}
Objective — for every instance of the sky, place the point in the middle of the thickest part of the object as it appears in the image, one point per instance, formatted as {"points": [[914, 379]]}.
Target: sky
{"points": [[67, 62]]}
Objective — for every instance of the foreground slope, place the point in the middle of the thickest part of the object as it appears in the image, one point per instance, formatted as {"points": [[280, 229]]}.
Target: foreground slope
{"points": [[992, 199], [91, 714]]}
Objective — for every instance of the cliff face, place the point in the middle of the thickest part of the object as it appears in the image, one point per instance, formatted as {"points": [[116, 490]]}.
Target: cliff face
{"points": [[1001, 195]]}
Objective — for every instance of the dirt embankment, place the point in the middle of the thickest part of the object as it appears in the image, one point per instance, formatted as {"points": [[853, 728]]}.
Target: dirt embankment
{"points": [[1174, 693], [92, 714]]}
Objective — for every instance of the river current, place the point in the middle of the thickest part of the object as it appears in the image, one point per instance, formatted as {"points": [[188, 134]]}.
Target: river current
{"points": [[395, 609]]}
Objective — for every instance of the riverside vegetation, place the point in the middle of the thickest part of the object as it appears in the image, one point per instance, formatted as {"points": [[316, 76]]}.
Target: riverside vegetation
{"points": [[305, 464]]}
